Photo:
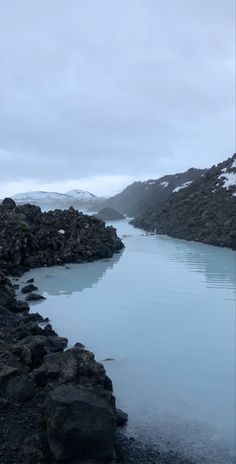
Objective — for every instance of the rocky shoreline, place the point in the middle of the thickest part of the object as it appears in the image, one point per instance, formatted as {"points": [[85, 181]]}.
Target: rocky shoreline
{"points": [[205, 211], [56, 404]]}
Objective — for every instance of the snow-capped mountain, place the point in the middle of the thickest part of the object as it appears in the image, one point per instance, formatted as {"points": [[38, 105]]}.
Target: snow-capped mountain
{"points": [[39, 195], [81, 194], [79, 199]]}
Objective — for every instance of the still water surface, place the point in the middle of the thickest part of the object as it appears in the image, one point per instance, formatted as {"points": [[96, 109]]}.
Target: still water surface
{"points": [[164, 311]]}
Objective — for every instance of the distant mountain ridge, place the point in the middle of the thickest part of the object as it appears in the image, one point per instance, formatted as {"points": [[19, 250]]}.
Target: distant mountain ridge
{"points": [[80, 199], [204, 211], [140, 196]]}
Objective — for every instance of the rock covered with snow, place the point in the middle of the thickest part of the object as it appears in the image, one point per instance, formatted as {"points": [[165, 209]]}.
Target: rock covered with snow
{"points": [[204, 210]]}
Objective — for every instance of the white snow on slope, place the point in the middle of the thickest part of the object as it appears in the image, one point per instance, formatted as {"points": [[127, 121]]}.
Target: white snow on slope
{"points": [[51, 196], [164, 184], [229, 178], [81, 194], [39, 195], [180, 187]]}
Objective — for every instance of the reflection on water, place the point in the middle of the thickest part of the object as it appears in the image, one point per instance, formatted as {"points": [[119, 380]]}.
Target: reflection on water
{"points": [[65, 280], [164, 310]]}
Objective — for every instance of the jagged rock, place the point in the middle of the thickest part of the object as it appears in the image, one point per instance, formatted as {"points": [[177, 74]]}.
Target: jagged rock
{"points": [[23, 352], [29, 288], [121, 417], [34, 297], [30, 281], [38, 347], [57, 344], [33, 369], [73, 366], [8, 204], [30, 238], [80, 424], [20, 388], [21, 306], [79, 345]]}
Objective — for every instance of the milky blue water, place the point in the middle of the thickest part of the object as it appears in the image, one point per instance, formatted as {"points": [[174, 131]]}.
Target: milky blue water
{"points": [[164, 311]]}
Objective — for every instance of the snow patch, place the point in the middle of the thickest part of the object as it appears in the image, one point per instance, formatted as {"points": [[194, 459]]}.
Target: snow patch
{"points": [[61, 231], [38, 195], [229, 179], [164, 184], [81, 194], [180, 187]]}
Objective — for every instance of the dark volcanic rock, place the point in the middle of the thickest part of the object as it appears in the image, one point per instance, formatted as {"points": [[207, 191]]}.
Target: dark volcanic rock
{"points": [[20, 388], [109, 214], [21, 306], [80, 424], [40, 384], [121, 418], [34, 297], [33, 365], [205, 211], [29, 288], [30, 238]]}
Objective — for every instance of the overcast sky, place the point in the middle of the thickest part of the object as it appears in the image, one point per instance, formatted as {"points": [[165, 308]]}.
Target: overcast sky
{"points": [[97, 93]]}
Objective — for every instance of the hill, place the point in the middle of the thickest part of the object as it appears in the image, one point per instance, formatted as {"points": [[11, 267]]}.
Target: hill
{"points": [[79, 199], [204, 211], [140, 196]]}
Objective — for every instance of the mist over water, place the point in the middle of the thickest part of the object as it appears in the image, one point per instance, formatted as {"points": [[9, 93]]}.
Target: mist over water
{"points": [[163, 312]]}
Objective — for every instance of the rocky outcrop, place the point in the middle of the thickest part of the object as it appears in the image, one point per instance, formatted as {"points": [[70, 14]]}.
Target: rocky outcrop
{"points": [[109, 214], [80, 424], [55, 405], [30, 238], [135, 199], [205, 211]]}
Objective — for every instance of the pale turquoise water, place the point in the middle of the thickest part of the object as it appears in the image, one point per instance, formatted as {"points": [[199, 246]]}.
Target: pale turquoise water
{"points": [[164, 310]]}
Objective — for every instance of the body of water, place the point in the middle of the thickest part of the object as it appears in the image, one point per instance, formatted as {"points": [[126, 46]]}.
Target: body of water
{"points": [[163, 312]]}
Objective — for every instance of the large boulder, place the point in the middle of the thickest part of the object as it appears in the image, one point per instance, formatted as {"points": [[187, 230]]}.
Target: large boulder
{"points": [[81, 424], [29, 288], [72, 366]]}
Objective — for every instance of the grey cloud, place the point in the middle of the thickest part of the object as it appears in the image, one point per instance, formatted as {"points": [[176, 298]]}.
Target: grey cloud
{"points": [[114, 88]]}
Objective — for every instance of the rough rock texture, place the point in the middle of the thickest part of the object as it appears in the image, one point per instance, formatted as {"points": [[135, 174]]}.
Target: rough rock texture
{"points": [[109, 214], [29, 288], [30, 238], [205, 211], [55, 405], [80, 424]]}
